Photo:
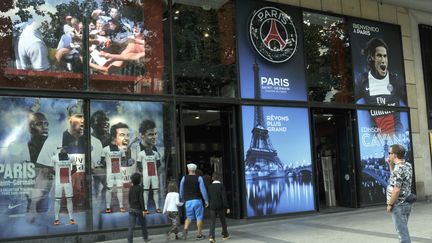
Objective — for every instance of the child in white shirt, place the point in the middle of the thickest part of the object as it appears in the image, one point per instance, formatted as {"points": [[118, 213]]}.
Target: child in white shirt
{"points": [[172, 201]]}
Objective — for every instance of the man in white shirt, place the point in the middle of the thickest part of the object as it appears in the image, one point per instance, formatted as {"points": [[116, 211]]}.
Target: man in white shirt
{"points": [[32, 51]]}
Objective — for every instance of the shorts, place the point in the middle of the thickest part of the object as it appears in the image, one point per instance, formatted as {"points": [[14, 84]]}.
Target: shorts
{"points": [[114, 179], [152, 181], [67, 189], [194, 209]]}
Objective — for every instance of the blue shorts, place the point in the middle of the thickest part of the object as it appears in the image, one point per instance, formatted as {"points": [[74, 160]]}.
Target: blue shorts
{"points": [[194, 209]]}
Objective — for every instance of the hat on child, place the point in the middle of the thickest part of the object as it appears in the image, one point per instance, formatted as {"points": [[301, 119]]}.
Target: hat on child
{"points": [[192, 166]]}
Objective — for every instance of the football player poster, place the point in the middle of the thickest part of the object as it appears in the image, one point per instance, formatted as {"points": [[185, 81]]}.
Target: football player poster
{"points": [[377, 63], [126, 137], [41, 191]]}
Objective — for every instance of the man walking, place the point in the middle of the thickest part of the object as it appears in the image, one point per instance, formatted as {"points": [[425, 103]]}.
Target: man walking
{"points": [[398, 189], [191, 189]]}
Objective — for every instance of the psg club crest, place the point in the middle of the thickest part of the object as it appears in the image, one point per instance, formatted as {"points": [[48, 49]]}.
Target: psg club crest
{"points": [[273, 34]]}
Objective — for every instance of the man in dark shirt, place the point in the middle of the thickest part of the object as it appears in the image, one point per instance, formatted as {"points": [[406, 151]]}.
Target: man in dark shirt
{"points": [[218, 203], [192, 189], [136, 208]]}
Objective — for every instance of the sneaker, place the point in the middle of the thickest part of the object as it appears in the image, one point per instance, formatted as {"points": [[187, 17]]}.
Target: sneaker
{"points": [[56, 222], [226, 237], [158, 210], [185, 233], [71, 221], [108, 210], [122, 209], [147, 240], [200, 237], [177, 237], [212, 240]]}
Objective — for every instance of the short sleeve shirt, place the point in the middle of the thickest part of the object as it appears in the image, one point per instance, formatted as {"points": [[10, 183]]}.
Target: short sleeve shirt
{"points": [[401, 177]]}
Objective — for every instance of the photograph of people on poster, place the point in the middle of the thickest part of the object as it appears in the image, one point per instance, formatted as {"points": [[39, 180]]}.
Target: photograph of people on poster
{"points": [[375, 141], [271, 60], [377, 63], [42, 191], [47, 36], [126, 137], [277, 159], [116, 36]]}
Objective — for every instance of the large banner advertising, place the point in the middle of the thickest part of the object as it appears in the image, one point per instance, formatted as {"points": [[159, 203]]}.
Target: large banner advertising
{"points": [[277, 159], [376, 137], [270, 51], [377, 63], [126, 138], [42, 167]]}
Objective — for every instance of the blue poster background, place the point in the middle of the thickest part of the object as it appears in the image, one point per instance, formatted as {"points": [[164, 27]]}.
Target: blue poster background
{"points": [[292, 70], [374, 147], [289, 188]]}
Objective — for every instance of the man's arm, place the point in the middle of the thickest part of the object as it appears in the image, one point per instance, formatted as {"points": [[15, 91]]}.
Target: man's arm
{"points": [[203, 190], [393, 198], [181, 189]]}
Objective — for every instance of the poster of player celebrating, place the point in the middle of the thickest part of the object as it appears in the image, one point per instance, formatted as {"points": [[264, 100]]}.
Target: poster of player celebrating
{"points": [[377, 63], [126, 137], [375, 140], [42, 190]]}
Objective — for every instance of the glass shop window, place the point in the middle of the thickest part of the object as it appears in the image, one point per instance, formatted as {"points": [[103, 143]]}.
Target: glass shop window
{"points": [[328, 58]]}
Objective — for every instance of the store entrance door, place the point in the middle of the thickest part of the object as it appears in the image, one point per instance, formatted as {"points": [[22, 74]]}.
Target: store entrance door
{"points": [[334, 159], [207, 137]]}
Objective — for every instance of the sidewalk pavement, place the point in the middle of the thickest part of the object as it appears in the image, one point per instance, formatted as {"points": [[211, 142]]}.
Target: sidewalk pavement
{"points": [[372, 224]]}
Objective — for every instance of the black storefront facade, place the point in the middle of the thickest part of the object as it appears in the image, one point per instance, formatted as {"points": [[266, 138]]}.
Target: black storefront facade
{"points": [[296, 108]]}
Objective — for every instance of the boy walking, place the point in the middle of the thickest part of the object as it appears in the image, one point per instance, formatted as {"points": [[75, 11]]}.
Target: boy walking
{"points": [[136, 208], [218, 203]]}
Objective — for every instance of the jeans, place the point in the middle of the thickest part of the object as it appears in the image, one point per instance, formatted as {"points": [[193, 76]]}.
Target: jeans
{"points": [[133, 216], [213, 215], [400, 215]]}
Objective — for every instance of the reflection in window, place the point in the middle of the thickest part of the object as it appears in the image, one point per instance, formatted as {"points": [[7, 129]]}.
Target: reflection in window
{"points": [[42, 44], [203, 34], [327, 58], [126, 41]]}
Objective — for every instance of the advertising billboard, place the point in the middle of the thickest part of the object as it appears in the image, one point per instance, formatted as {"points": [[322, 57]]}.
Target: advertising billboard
{"points": [[277, 160], [135, 129], [42, 191], [377, 60], [378, 130], [270, 51]]}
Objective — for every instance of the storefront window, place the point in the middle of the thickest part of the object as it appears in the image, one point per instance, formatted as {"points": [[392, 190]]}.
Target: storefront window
{"points": [[126, 138], [42, 44], [328, 60], [205, 61], [127, 41], [43, 186]]}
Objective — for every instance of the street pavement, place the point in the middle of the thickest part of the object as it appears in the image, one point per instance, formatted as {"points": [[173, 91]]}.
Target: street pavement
{"points": [[371, 224]]}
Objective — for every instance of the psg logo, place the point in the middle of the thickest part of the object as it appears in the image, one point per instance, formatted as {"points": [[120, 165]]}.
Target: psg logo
{"points": [[273, 34]]}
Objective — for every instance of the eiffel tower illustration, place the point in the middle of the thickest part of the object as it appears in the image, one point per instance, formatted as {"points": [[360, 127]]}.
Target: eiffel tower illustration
{"points": [[261, 157]]}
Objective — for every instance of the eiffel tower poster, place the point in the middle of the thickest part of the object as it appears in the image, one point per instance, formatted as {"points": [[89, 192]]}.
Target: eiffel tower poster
{"points": [[261, 158]]}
